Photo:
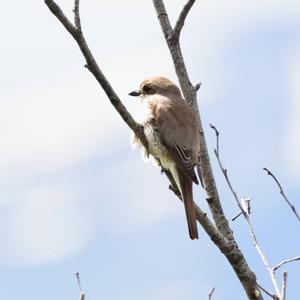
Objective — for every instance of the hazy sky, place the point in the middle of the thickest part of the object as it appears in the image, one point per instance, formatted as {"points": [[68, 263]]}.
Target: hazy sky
{"points": [[74, 196]]}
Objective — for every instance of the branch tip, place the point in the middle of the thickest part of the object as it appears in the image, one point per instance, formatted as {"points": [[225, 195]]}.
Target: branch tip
{"points": [[197, 86], [292, 207], [286, 261]]}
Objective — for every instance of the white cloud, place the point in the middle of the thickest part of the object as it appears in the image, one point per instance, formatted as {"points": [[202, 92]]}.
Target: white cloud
{"points": [[54, 127], [138, 202], [44, 225]]}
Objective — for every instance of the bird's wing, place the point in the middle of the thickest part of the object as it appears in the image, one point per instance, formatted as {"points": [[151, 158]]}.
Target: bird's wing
{"points": [[177, 128]]}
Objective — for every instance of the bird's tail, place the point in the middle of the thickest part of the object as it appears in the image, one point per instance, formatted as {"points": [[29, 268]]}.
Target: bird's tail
{"points": [[186, 187]]}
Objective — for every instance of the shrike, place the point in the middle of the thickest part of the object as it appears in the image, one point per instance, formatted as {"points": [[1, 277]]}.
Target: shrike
{"points": [[171, 129]]}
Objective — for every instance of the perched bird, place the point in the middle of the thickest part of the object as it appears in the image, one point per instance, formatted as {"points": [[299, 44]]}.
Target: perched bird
{"points": [[171, 129]]}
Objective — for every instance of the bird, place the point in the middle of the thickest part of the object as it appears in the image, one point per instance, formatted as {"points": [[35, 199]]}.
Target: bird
{"points": [[172, 132]]}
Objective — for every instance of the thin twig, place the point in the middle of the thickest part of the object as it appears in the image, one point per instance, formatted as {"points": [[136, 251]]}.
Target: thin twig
{"points": [[247, 218], [77, 15], [56, 10], [282, 193], [224, 171], [286, 261], [283, 290], [217, 135], [198, 86], [211, 293], [82, 294], [181, 19], [267, 293], [236, 216]]}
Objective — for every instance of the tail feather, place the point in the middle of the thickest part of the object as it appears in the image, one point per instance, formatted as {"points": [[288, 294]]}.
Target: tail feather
{"points": [[186, 186]]}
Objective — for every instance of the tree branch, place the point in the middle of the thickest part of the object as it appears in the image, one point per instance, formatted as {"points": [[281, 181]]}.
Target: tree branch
{"points": [[246, 214], [181, 19], [283, 290], [77, 15], [268, 293], [234, 255], [282, 193], [93, 67], [286, 261], [247, 218], [190, 96]]}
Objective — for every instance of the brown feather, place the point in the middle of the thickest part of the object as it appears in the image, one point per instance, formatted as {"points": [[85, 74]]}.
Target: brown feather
{"points": [[177, 134], [178, 155], [186, 186]]}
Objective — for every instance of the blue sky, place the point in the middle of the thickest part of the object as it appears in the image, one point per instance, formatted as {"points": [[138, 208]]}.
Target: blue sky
{"points": [[76, 197]]}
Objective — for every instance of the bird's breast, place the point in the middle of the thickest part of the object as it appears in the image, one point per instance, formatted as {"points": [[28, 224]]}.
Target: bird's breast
{"points": [[156, 148]]}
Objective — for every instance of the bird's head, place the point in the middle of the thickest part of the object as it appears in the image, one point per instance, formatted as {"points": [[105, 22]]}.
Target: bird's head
{"points": [[157, 85]]}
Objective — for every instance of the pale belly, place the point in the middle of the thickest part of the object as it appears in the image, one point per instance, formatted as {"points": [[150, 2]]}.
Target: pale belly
{"points": [[158, 151]]}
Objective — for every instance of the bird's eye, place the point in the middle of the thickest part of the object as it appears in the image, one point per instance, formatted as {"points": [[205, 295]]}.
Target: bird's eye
{"points": [[147, 89]]}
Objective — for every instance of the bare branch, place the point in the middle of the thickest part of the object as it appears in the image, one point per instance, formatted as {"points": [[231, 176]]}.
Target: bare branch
{"points": [[283, 290], [56, 10], [77, 15], [268, 293], [236, 216], [211, 293], [286, 261], [239, 264], [93, 67], [217, 135], [181, 19], [225, 172], [82, 294], [189, 93], [282, 193], [247, 218]]}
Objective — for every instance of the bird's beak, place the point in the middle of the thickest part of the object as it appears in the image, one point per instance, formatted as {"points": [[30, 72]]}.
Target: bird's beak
{"points": [[135, 93]]}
